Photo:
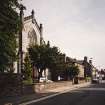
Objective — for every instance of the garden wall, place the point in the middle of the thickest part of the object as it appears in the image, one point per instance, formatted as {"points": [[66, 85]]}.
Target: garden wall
{"points": [[10, 84]]}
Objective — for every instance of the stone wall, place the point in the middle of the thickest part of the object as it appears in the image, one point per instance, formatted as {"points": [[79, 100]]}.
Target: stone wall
{"points": [[10, 84], [42, 87]]}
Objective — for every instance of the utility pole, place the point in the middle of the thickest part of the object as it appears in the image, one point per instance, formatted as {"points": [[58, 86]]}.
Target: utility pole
{"points": [[20, 68], [91, 69]]}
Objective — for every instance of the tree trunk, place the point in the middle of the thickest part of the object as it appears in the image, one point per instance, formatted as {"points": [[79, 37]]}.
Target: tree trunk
{"points": [[76, 80], [39, 74]]}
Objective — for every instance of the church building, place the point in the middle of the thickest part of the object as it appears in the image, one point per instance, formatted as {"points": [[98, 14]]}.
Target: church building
{"points": [[31, 34]]}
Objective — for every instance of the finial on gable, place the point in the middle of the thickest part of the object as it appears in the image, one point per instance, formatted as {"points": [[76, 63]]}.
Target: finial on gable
{"points": [[33, 13], [85, 58], [41, 26]]}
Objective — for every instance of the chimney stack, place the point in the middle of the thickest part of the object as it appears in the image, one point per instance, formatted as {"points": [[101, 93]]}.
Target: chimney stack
{"points": [[90, 61], [85, 58]]}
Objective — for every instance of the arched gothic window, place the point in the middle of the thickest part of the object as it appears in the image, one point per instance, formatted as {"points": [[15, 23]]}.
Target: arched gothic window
{"points": [[32, 37]]}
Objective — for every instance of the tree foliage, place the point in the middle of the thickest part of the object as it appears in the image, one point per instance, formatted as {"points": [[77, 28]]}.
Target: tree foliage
{"points": [[73, 70], [44, 56], [9, 26], [27, 67]]}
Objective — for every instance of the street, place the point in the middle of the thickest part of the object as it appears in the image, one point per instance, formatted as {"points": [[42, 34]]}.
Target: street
{"points": [[92, 95]]}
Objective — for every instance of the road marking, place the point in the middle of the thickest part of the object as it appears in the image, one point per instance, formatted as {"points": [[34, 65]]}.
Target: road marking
{"points": [[43, 98], [40, 99], [53, 95], [94, 89]]}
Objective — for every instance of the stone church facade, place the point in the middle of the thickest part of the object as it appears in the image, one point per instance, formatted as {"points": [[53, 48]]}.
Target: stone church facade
{"points": [[31, 34]]}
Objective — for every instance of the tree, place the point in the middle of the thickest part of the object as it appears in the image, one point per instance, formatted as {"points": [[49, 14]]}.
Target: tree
{"points": [[9, 26], [43, 57], [59, 68], [73, 71], [27, 68]]}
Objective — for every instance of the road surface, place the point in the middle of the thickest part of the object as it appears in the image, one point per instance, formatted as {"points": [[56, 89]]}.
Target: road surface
{"points": [[92, 95]]}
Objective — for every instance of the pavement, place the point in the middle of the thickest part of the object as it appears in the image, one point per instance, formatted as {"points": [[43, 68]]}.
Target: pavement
{"points": [[36, 97]]}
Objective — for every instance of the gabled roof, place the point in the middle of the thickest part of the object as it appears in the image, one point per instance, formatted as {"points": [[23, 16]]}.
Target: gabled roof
{"points": [[31, 17], [27, 18], [79, 62]]}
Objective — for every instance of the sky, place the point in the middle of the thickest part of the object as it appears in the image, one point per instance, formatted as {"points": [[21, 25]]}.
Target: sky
{"points": [[77, 27]]}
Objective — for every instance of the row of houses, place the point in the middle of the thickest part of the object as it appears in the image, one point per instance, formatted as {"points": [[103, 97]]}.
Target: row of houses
{"points": [[86, 69], [32, 33]]}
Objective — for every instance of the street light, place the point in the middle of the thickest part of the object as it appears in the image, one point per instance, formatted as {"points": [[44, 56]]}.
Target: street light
{"points": [[20, 68], [91, 68]]}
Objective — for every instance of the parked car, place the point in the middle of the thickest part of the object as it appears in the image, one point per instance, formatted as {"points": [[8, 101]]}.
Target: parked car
{"points": [[43, 79], [95, 80]]}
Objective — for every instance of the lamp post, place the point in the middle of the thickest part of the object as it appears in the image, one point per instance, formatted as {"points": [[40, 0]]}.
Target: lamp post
{"points": [[20, 68], [91, 68], [20, 52]]}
